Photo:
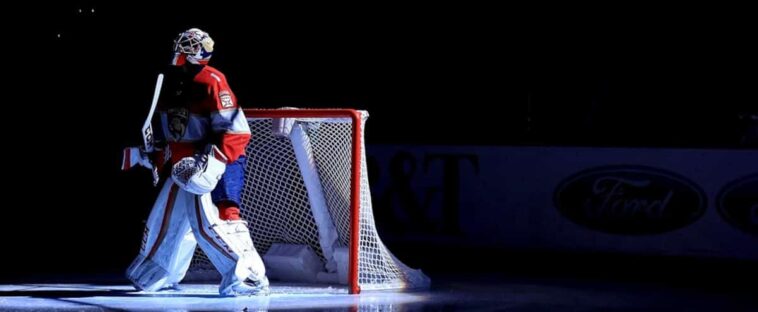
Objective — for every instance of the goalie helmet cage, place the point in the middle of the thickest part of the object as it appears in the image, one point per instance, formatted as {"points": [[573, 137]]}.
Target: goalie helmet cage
{"points": [[306, 184]]}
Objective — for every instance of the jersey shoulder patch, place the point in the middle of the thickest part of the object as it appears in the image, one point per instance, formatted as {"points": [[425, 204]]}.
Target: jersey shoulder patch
{"points": [[226, 99]]}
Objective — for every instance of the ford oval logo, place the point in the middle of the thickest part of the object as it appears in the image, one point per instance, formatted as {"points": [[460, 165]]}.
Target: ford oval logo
{"points": [[738, 203], [632, 200]]}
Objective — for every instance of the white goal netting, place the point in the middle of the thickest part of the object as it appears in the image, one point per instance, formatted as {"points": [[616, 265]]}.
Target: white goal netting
{"points": [[297, 192]]}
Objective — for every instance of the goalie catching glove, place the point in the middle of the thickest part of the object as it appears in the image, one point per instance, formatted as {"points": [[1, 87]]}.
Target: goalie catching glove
{"points": [[200, 173]]}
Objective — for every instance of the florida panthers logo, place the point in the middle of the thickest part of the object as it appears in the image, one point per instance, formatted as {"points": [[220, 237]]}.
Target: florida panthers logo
{"points": [[177, 122], [226, 99]]}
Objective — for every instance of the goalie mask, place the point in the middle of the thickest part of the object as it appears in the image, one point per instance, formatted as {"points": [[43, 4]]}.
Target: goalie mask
{"points": [[194, 46]]}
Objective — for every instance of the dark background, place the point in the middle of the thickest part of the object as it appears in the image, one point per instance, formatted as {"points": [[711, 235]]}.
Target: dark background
{"points": [[432, 74]]}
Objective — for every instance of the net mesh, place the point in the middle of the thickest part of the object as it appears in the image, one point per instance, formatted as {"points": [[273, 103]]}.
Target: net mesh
{"points": [[276, 202]]}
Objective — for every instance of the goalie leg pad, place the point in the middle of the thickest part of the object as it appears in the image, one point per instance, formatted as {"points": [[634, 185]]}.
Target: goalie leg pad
{"points": [[181, 261], [229, 247], [167, 245], [147, 275]]}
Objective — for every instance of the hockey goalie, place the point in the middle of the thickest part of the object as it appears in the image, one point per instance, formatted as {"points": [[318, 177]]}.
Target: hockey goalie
{"points": [[202, 136]]}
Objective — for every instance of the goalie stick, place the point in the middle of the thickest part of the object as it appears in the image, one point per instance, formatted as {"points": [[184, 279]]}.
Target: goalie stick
{"points": [[147, 128]]}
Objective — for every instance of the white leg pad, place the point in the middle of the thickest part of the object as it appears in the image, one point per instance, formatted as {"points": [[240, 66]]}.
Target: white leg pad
{"points": [[146, 275], [228, 245], [168, 244]]}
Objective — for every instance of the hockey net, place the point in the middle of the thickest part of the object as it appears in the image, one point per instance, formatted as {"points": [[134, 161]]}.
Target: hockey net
{"points": [[303, 188]]}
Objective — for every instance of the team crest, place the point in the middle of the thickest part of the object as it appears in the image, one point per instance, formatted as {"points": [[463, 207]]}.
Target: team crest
{"points": [[177, 122], [226, 99]]}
